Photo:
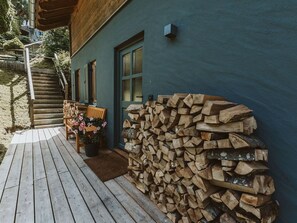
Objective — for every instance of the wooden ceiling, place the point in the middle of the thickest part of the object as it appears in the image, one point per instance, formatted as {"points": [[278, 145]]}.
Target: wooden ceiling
{"points": [[50, 14]]}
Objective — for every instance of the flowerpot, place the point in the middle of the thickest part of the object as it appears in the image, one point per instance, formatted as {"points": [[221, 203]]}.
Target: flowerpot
{"points": [[92, 149]]}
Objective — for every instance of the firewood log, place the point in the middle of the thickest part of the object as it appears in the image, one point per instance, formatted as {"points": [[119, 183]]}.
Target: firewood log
{"points": [[208, 136], [245, 168], [210, 212], [199, 99], [211, 119], [269, 209], [235, 155], [163, 99], [240, 141], [195, 109], [224, 144], [224, 128], [214, 107], [226, 218], [236, 113], [129, 133], [230, 199], [189, 100], [134, 108], [255, 200]]}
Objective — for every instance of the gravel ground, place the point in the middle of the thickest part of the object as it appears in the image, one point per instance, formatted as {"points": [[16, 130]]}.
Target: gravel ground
{"points": [[14, 106]]}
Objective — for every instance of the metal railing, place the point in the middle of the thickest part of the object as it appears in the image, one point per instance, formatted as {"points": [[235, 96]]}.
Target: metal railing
{"points": [[30, 81], [62, 78]]}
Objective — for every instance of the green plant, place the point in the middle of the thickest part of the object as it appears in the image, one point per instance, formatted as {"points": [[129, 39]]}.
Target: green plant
{"points": [[64, 62], [55, 40], [82, 124], [25, 39], [4, 16], [13, 44]]}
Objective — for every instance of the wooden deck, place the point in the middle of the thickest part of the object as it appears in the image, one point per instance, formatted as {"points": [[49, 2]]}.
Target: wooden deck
{"points": [[43, 179]]}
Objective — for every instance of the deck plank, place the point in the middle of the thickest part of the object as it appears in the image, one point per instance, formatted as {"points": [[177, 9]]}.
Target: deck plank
{"points": [[77, 158], [79, 209], [94, 203], [43, 207], [25, 206], [39, 171], [16, 166], [6, 163], [112, 204], [61, 209], [131, 206], [8, 204], [142, 200], [59, 162]]}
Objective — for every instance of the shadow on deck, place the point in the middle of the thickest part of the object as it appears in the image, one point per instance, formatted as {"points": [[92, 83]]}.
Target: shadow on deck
{"points": [[43, 179]]}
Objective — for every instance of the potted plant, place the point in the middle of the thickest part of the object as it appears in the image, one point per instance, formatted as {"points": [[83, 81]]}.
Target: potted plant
{"points": [[91, 131]]}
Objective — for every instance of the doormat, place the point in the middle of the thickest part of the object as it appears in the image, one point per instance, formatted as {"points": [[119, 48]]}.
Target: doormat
{"points": [[108, 166]]}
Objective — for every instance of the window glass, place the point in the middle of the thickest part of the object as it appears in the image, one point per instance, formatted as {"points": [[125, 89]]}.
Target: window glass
{"points": [[137, 61], [126, 90], [126, 64], [137, 89]]}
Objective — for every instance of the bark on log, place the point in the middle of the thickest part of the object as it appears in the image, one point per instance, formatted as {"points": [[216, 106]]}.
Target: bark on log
{"points": [[238, 155]]}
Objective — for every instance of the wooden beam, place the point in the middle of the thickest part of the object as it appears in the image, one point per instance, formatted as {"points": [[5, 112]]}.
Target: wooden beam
{"points": [[56, 4]]}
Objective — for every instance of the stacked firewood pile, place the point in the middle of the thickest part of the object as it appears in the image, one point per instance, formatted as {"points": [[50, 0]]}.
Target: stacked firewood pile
{"points": [[195, 156]]}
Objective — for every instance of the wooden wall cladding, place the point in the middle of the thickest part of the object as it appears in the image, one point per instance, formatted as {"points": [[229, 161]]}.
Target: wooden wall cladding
{"points": [[88, 17]]}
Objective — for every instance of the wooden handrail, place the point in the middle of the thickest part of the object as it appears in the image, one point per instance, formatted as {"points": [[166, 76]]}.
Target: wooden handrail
{"points": [[61, 76], [28, 68]]}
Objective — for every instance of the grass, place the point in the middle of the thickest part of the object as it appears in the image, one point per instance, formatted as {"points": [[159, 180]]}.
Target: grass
{"points": [[14, 106], [42, 63]]}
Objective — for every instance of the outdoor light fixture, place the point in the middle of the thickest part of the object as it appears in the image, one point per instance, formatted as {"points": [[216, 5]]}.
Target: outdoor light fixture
{"points": [[170, 31]]}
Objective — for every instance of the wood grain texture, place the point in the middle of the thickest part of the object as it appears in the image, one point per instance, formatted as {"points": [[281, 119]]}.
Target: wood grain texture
{"points": [[98, 12]]}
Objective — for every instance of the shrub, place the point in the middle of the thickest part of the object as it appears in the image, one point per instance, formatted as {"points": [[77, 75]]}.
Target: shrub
{"points": [[4, 17], [55, 41], [25, 39], [13, 44], [64, 61], [8, 35]]}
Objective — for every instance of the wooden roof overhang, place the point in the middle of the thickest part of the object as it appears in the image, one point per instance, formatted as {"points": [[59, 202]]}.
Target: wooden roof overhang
{"points": [[50, 14]]}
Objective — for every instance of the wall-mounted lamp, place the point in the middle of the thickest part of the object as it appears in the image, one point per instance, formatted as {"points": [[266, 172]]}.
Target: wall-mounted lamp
{"points": [[170, 31]]}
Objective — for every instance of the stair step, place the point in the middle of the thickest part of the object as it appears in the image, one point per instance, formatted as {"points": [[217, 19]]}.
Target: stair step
{"points": [[51, 81], [47, 110], [48, 121], [48, 101], [57, 97], [41, 92], [47, 88], [47, 106], [48, 116], [50, 85], [47, 126]]}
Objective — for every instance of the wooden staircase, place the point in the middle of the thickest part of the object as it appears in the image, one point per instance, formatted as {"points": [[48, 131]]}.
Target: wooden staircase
{"points": [[48, 103]]}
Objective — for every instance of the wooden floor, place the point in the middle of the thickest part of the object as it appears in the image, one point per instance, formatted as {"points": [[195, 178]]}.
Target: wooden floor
{"points": [[43, 179]]}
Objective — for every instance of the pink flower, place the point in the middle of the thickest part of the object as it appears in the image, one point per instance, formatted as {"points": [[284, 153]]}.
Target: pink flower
{"points": [[104, 124]]}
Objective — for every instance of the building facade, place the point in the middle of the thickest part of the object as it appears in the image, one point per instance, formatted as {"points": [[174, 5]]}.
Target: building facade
{"points": [[243, 51]]}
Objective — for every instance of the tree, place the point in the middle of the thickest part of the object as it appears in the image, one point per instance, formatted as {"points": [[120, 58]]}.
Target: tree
{"points": [[55, 40], [4, 16]]}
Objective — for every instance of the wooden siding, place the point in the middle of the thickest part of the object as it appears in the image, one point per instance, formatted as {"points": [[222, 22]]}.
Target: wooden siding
{"points": [[89, 17]]}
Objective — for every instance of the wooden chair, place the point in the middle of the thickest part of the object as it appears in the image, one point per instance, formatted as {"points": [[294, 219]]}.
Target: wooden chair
{"points": [[91, 112]]}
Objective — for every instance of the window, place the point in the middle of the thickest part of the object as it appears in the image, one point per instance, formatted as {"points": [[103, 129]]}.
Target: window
{"points": [[92, 82], [77, 85]]}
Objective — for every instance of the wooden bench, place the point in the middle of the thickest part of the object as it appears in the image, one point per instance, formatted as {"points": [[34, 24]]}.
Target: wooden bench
{"points": [[91, 112]]}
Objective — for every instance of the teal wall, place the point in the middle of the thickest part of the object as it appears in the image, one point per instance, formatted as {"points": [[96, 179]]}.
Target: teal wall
{"points": [[245, 51]]}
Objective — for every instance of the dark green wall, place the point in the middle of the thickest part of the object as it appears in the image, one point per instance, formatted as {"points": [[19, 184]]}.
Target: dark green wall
{"points": [[245, 51]]}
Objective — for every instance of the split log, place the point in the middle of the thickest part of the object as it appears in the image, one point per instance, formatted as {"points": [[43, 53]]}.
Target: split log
{"points": [[212, 119], [201, 183], [127, 124], [269, 209], [199, 99], [208, 136], [231, 199], [129, 133], [210, 144], [228, 163], [245, 168], [164, 116], [255, 200], [195, 109], [217, 173], [253, 184], [234, 114], [198, 118], [249, 125], [163, 99], [210, 212], [224, 144], [226, 218], [134, 108], [189, 100], [224, 128], [186, 120], [240, 141], [237, 155], [214, 107]]}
